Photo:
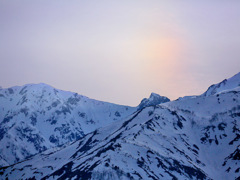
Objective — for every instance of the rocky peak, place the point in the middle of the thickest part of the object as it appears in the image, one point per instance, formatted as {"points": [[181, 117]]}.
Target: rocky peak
{"points": [[153, 100]]}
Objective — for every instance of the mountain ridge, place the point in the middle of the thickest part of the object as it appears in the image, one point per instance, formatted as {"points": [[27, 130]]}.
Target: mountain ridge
{"points": [[40, 113], [36, 117], [153, 143], [190, 138], [226, 84]]}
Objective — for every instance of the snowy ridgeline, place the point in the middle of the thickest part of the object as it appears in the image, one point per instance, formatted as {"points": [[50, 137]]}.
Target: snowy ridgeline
{"points": [[195, 137], [36, 117]]}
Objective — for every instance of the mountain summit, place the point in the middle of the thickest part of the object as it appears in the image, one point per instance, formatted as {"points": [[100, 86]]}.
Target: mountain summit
{"points": [[153, 100], [225, 85]]}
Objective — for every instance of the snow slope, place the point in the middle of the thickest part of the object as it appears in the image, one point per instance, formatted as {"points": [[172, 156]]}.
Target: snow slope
{"points": [[36, 117], [191, 138], [226, 84]]}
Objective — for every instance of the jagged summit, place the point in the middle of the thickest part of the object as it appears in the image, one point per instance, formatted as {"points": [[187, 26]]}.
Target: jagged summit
{"points": [[153, 100], [225, 85]]}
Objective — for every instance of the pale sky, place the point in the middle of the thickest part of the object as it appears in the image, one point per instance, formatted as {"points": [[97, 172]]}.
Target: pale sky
{"points": [[120, 51]]}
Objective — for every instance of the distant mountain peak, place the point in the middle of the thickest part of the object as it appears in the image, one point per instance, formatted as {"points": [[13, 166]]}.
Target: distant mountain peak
{"points": [[225, 85], [153, 100], [154, 95]]}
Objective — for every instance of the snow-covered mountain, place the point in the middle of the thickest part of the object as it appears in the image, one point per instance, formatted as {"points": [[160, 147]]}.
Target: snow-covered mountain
{"points": [[190, 138], [36, 117], [226, 84]]}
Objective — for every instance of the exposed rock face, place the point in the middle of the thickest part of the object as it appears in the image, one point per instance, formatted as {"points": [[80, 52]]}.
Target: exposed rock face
{"points": [[153, 100]]}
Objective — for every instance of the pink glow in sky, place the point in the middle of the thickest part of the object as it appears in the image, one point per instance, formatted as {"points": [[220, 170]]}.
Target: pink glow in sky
{"points": [[120, 51]]}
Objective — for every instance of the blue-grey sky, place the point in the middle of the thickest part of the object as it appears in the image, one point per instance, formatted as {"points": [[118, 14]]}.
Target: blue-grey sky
{"points": [[119, 51]]}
